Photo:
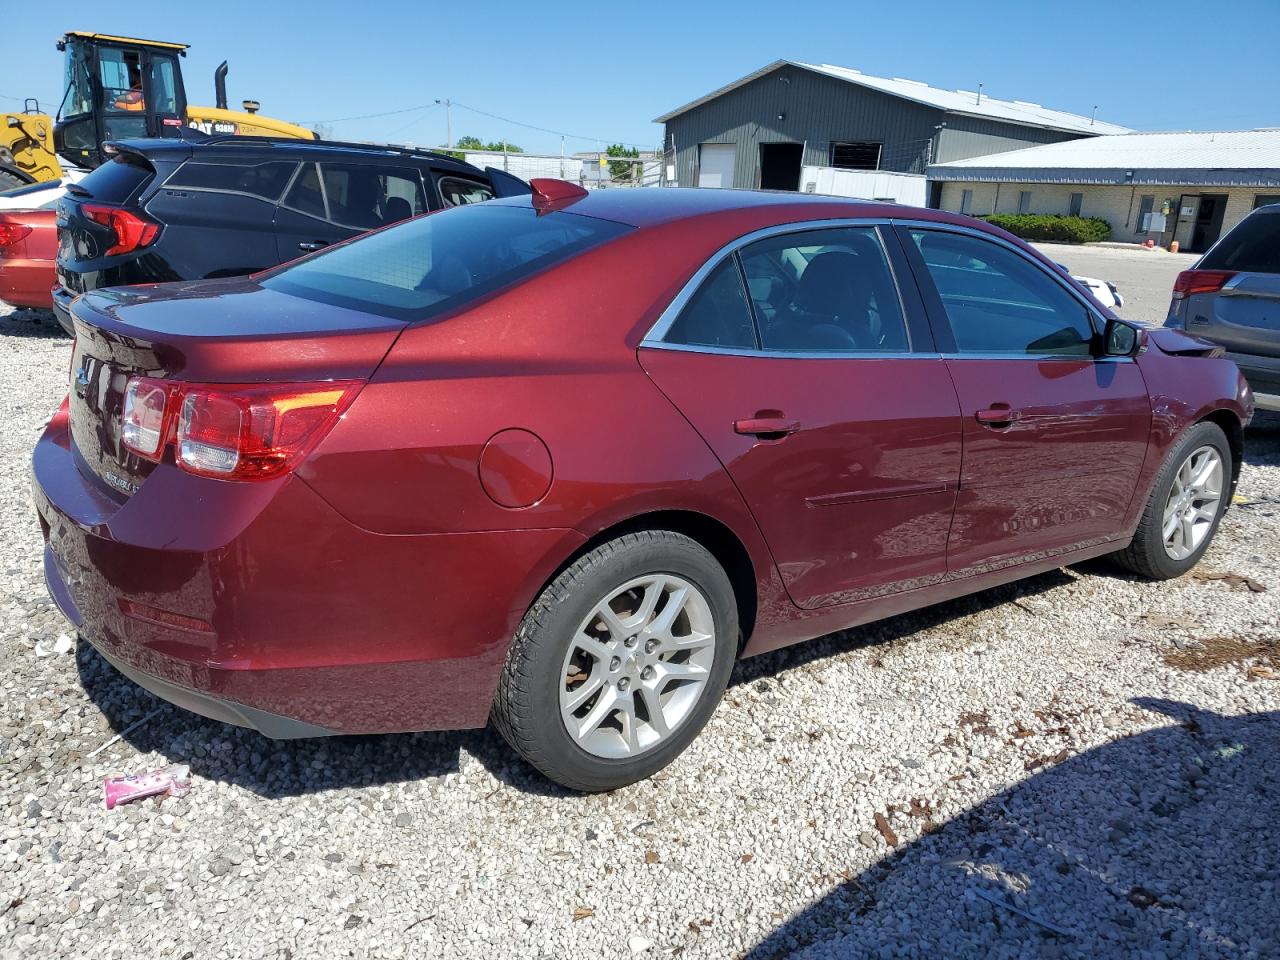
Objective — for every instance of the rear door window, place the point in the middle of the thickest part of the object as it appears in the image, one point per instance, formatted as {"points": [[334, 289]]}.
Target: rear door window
{"points": [[367, 196], [825, 291], [263, 180], [307, 195], [1252, 247], [433, 264]]}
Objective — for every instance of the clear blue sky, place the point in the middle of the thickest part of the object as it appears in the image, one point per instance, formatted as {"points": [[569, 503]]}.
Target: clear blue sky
{"points": [[603, 70]]}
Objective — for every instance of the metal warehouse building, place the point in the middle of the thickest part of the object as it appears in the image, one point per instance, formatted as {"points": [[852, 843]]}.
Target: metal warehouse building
{"points": [[826, 129], [1188, 187]]}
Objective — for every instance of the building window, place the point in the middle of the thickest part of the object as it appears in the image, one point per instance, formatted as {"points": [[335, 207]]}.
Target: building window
{"points": [[1262, 199], [1024, 201], [1145, 206], [1077, 204], [855, 155], [966, 201]]}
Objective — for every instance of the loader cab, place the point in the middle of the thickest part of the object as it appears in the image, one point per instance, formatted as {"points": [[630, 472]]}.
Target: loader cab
{"points": [[117, 88]]}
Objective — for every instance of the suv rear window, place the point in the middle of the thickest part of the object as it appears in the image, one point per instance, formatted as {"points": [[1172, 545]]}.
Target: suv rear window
{"points": [[1252, 247], [116, 180], [435, 263]]}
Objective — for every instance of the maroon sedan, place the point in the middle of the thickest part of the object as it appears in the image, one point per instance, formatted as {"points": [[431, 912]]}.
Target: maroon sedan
{"points": [[557, 462], [28, 251]]}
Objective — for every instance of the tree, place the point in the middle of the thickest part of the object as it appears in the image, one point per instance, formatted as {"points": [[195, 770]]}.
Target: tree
{"points": [[475, 143], [619, 170]]}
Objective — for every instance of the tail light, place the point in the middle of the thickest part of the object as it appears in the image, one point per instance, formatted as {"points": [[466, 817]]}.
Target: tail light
{"points": [[1200, 281], [132, 231], [11, 233], [232, 432]]}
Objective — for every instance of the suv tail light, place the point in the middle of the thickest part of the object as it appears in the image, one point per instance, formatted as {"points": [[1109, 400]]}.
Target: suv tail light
{"points": [[132, 231], [1200, 281], [11, 233], [232, 432]]}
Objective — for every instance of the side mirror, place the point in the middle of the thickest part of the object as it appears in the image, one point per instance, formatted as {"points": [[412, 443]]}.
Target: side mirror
{"points": [[1120, 340]]}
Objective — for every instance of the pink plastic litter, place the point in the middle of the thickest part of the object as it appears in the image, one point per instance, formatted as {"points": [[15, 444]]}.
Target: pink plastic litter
{"points": [[174, 780]]}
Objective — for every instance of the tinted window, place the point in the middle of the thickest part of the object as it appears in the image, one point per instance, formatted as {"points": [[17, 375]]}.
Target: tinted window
{"points": [[365, 197], [456, 192], [305, 195], [432, 264], [265, 180], [1253, 246], [116, 180], [824, 291], [999, 302], [717, 314]]}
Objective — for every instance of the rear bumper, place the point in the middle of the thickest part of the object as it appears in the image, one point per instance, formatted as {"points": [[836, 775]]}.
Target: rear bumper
{"points": [[289, 619], [1263, 375], [26, 283]]}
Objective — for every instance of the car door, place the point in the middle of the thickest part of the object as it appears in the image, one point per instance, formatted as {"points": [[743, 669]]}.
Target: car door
{"points": [[1054, 435], [331, 201], [822, 395]]}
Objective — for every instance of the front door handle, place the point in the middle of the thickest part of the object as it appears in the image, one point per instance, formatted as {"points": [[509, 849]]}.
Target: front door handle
{"points": [[772, 428], [998, 416], [309, 245]]}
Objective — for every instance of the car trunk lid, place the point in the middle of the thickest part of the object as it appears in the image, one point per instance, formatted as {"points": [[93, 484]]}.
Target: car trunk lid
{"points": [[1244, 316], [223, 331]]}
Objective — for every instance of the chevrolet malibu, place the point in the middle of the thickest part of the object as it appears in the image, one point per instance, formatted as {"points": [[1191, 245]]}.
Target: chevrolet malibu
{"points": [[556, 462]]}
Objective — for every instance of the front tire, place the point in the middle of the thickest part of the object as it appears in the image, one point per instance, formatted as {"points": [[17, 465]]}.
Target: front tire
{"points": [[620, 661], [1185, 507]]}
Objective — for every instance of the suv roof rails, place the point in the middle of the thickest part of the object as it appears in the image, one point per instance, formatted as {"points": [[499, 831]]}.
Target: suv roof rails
{"points": [[234, 139]]}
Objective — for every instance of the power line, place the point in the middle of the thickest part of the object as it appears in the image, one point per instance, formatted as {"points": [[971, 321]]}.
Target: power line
{"points": [[370, 116], [558, 133]]}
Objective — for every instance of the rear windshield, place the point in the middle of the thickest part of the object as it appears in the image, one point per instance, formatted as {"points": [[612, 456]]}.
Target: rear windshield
{"points": [[115, 181], [1252, 247], [438, 262]]}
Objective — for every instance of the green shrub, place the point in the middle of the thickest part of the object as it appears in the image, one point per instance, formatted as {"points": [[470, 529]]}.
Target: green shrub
{"points": [[1046, 226]]}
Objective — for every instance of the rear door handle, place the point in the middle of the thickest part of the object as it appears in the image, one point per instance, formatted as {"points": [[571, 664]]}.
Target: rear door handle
{"points": [[309, 245], [997, 416], [772, 427]]}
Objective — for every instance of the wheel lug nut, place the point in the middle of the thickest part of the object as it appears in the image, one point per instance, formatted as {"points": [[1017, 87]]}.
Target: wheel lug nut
{"points": [[615, 663], [650, 645], [630, 641], [648, 673], [624, 683]]}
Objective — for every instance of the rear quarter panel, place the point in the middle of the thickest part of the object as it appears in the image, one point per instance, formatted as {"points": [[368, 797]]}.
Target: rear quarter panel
{"points": [[1184, 390]]}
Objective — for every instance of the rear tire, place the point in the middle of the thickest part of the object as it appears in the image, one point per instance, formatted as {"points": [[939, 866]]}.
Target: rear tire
{"points": [[1182, 516], [620, 661]]}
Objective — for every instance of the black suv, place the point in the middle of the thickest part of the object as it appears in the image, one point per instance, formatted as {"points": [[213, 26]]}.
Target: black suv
{"points": [[187, 209]]}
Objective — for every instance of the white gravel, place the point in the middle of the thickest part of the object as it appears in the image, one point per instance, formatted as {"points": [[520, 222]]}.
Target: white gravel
{"points": [[1097, 752]]}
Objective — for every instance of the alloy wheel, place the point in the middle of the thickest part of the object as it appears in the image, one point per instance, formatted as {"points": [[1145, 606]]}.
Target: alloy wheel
{"points": [[637, 666], [1193, 502]]}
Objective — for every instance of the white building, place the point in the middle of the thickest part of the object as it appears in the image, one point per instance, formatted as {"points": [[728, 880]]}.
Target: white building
{"points": [[1189, 187]]}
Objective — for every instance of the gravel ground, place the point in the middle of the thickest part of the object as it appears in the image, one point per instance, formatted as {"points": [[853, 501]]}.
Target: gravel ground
{"points": [[1144, 277], [1081, 765]]}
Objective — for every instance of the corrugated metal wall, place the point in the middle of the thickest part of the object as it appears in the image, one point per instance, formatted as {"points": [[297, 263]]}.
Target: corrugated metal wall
{"points": [[816, 110]]}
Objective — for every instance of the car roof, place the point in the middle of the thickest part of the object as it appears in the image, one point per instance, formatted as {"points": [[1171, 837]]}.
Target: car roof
{"points": [[651, 206], [239, 146]]}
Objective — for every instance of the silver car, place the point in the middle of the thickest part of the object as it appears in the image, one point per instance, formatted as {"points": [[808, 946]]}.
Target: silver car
{"points": [[1232, 297]]}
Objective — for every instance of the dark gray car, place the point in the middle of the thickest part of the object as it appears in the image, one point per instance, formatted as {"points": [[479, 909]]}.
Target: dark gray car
{"points": [[1232, 297]]}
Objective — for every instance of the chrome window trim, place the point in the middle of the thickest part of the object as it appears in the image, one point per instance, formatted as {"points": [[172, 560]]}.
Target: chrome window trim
{"points": [[654, 338], [1037, 357], [1096, 320], [788, 354]]}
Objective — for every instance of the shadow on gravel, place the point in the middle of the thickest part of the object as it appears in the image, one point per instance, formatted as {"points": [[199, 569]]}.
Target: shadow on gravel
{"points": [[281, 768], [34, 324], [894, 629], [1161, 844]]}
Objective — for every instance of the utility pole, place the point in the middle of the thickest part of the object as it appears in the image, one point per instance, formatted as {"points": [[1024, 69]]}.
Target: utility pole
{"points": [[448, 111]]}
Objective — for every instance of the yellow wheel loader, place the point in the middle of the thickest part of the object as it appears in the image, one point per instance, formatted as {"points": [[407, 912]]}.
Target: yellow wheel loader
{"points": [[118, 88]]}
